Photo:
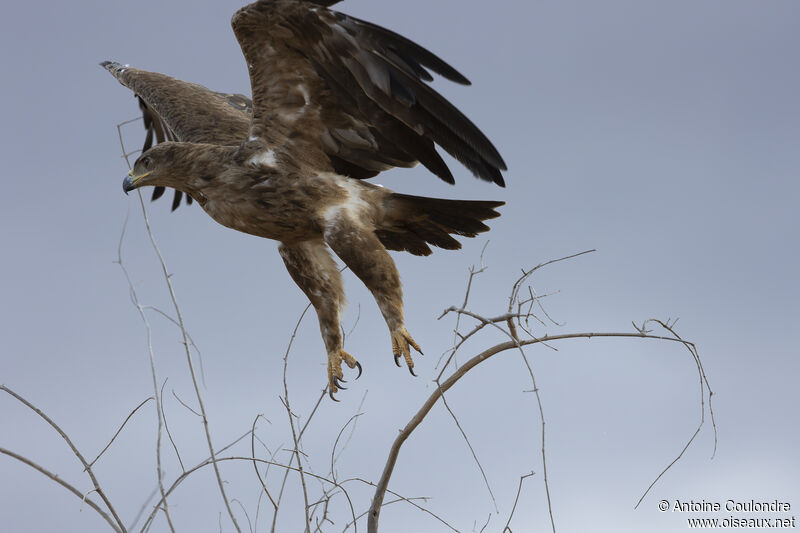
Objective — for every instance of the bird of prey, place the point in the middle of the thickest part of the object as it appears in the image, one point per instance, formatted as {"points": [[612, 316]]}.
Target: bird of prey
{"points": [[335, 100]]}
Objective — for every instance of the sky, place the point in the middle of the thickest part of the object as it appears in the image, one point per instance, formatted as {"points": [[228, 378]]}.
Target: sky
{"points": [[663, 135]]}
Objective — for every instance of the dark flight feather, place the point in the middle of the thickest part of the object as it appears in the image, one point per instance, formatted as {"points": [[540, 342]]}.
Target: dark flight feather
{"points": [[409, 51], [372, 79]]}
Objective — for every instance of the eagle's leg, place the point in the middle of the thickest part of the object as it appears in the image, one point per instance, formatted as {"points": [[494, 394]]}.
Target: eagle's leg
{"points": [[363, 253], [315, 272]]}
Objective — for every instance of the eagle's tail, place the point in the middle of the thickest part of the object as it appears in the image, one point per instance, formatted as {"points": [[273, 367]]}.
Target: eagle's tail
{"points": [[413, 222]]}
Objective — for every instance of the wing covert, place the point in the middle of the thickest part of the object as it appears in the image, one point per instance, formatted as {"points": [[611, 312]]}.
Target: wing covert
{"points": [[175, 110], [355, 89]]}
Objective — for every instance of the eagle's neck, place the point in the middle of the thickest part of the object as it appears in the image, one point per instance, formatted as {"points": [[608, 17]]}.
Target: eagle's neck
{"points": [[192, 167]]}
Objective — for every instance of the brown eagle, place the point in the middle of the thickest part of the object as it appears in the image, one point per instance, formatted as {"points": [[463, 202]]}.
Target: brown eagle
{"points": [[336, 100]]}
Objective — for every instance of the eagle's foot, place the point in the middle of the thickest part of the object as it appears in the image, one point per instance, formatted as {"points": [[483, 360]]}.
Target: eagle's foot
{"points": [[335, 375], [401, 339]]}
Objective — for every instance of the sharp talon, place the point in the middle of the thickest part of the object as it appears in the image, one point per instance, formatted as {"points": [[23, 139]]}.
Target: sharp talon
{"points": [[330, 393], [338, 383], [397, 360], [411, 369], [359, 369]]}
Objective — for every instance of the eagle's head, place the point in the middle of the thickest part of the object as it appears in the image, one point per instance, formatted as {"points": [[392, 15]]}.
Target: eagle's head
{"points": [[149, 169], [184, 166]]}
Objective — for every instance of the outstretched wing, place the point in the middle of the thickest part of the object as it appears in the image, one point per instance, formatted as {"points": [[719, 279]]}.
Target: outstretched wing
{"points": [[358, 92], [175, 110]]}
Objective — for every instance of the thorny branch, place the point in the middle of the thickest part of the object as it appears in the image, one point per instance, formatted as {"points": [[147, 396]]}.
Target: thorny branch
{"points": [[515, 343]]}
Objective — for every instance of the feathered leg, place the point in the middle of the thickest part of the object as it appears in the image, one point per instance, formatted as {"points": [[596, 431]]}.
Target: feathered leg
{"points": [[313, 269], [363, 253]]}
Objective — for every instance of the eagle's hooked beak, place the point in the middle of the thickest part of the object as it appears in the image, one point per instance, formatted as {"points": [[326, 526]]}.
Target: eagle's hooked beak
{"points": [[129, 183]]}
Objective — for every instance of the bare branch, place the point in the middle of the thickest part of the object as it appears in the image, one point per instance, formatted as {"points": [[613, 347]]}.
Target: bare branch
{"points": [[456, 335], [403, 498], [336, 442], [151, 354], [488, 518], [285, 401], [249, 523], [258, 508], [353, 328], [120, 429], [185, 404], [526, 273], [73, 490], [255, 465], [538, 299], [191, 341], [184, 475], [352, 429], [314, 410], [297, 452], [385, 504], [208, 461], [703, 383], [541, 417], [86, 466], [516, 500], [142, 508], [166, 426], [184, 334], [372, 522], [469, 445]]}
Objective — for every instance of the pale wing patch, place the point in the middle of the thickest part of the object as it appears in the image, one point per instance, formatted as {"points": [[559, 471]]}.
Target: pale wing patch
{"points": [[263, 159], [304, 91], [292, 114], [354, 207]]}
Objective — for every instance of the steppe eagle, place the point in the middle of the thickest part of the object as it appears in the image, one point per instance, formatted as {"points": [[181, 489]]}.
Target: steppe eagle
{"points": [[336, 100]]}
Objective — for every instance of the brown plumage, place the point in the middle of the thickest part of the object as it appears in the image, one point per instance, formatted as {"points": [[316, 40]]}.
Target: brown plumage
{"points": [[335, 100]]}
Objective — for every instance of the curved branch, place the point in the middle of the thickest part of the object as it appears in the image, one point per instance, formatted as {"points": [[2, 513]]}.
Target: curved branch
{"points": [[64, 484], [185, 342], [86, 466], [216, 459], [394, 451]]}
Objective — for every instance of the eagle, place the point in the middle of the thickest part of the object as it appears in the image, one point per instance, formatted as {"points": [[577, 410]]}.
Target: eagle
{"points": [[335, 101]]}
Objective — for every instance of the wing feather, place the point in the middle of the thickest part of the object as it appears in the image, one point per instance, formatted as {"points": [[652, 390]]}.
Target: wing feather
{"points": [[175, 110], [185, 111], [360, 83]]}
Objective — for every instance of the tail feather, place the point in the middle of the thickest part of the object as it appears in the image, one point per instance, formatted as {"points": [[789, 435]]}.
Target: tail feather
{"points": [[411, 223]]}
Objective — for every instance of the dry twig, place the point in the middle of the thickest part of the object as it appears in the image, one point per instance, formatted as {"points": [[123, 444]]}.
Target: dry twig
{"points": [[86, 466], [185, 336], [73, 490]]}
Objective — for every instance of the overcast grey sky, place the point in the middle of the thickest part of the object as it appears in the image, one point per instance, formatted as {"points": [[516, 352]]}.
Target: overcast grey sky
{"points": [[663, 134]]}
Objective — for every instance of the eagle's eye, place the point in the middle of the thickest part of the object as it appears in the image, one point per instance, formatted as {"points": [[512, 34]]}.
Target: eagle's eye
{"points": [[145, 162]]}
